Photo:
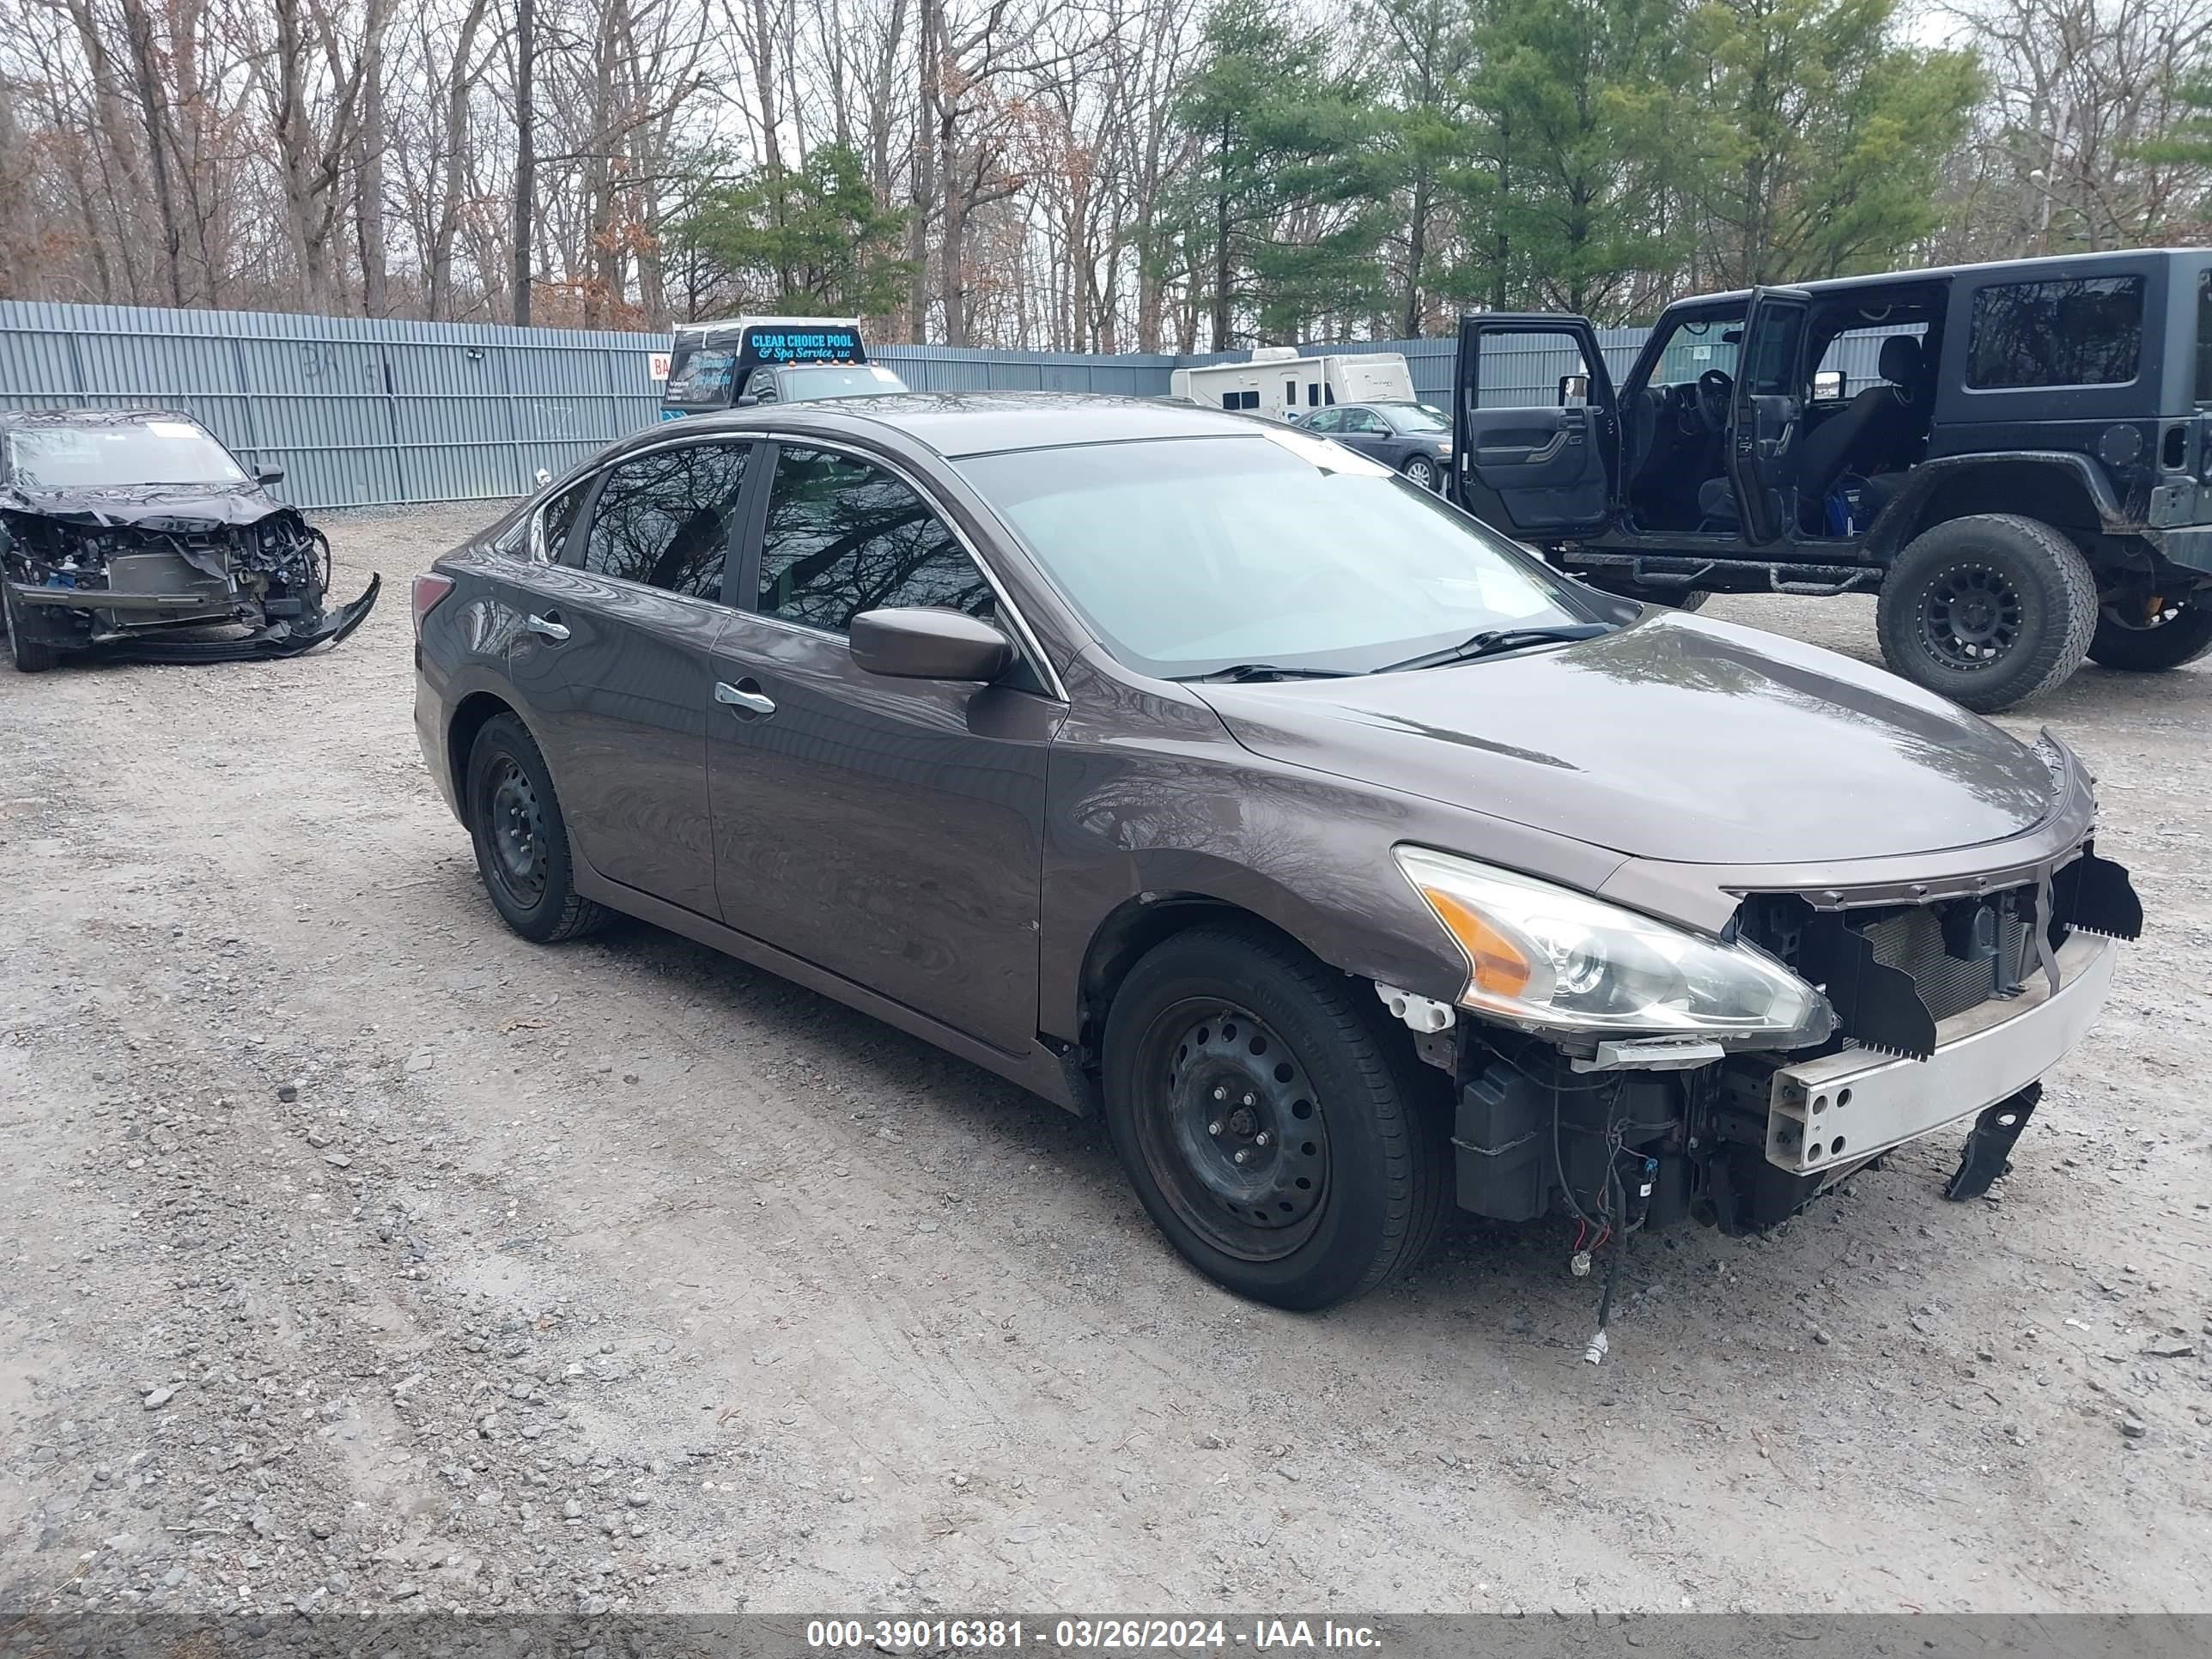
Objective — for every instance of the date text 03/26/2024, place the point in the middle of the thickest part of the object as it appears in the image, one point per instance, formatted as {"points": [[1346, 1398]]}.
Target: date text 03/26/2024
{"points": [[1072, 1635]]}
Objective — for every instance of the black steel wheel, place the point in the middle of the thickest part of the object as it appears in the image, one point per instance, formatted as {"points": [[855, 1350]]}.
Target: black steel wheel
{"points": [[1277, 1129], [2152, 635], [1988, 610], [1233, 1133], [521, 840]]}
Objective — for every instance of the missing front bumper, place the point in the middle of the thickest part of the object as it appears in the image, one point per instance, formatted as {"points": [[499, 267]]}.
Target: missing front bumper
{"points": [[1837, 1111], [278, 639]]}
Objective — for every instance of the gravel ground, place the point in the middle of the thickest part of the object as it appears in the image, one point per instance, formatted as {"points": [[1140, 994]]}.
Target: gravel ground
{"points": [[359, 1254]]}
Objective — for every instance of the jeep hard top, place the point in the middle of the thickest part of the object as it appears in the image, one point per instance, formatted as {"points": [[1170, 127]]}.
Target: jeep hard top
{"points": [[2017, 457]]}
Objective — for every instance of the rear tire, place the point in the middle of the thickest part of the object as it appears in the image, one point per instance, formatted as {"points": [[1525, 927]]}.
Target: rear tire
{"points": [[1988, 610], [1421, 470], [30, 656], [522, 839], [2182, 634], [1227, 1040]]}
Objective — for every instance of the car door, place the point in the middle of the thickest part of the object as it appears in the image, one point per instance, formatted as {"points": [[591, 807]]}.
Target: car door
{"points": [[1364, 430], [1537, 427], [889, 830], [612, 663], [1768, 411]]}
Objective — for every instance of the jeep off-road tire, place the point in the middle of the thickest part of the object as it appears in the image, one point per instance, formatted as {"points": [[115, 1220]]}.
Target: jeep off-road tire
{"points": [[30, 656], [1989, 610], [522, 839], [2182, 637], [1276, 1125]]}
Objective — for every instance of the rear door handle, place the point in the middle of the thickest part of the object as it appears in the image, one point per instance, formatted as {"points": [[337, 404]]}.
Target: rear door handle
{"points": [[552, 627], [737, 698]]}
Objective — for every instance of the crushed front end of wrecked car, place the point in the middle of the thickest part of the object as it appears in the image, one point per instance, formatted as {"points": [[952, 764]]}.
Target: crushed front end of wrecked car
{"points": [[1944, 988], [123, 570]]}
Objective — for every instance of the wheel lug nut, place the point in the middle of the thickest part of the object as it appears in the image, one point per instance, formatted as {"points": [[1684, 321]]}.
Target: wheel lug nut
{"points": [[1250, 1100], [1214, 1127], [1243, 1157], [1260, 1139], [1220, 1092]]}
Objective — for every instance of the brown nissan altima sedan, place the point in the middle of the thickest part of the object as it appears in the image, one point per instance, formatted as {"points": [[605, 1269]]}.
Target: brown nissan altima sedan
{"points": [[1204, 774]]}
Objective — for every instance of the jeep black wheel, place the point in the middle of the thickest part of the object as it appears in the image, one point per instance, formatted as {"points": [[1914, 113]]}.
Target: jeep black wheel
{"points": [[2150, 636], [30, 656], [1989, 610], [1278, 1132], [521, 840]]}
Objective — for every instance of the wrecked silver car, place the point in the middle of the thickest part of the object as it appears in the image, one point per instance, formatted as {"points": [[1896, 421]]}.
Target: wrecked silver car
{"points": [[119, 528]]}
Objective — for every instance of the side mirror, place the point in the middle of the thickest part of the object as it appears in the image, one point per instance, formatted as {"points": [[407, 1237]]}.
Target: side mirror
{"points": [[1574, 390], [744, 400], [925, 644], [1828, 386], [269, 474]]}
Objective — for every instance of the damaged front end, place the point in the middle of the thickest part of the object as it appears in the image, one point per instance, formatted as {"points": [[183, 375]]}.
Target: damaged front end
{"points": [[1943, 999], [119, 576]]}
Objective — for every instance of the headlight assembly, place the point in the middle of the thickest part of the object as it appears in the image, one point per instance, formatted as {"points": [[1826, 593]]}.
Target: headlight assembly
{"points": [[1549, 958]]}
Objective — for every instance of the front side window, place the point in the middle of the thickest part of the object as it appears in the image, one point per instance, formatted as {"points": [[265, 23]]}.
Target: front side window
{"points": [[1187, 556], [120, 455], [663, 518], [2084, 331], [1329, 420], [844, 535]]}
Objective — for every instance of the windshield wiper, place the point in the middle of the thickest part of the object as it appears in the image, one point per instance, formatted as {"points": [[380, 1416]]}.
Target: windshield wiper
{"points": [[1238, 673], [1495, 639]]}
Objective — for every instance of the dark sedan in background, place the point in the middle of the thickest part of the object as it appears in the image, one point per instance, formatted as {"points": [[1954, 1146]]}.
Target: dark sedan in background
{"points": [[1197, 772], [1409, 438]]}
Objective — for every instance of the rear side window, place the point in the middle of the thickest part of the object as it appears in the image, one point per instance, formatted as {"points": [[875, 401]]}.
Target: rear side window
{"points": [[2085, 331], [663, 518], [844, 537], [2204, 337], [558, 517]]}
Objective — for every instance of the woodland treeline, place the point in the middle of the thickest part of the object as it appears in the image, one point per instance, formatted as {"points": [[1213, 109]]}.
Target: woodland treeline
{"points": [[1105, 175]]}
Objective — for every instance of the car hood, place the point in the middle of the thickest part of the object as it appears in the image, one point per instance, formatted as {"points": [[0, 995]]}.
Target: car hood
{"points": [[1677, 738], [154, 507]]}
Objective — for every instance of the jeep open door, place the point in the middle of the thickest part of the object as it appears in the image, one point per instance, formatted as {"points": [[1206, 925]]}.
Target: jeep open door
{"points": [[1537, 432], [1767, 410]]}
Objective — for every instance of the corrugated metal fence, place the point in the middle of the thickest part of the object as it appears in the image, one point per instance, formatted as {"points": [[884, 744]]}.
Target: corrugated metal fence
{"points": [[363, 413]]}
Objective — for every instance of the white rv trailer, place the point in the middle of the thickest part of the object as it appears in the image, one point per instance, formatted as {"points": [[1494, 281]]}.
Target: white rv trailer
{"points": [[1276, 380]]}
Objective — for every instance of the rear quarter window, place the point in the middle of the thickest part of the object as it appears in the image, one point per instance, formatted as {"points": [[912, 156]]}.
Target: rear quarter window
{"points": [[2084, 331]]}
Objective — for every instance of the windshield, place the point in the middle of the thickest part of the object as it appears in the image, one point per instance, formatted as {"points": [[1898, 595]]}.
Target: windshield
{"points": [[1412, 417], [117, 457], [858, 381], [1192, 555]]}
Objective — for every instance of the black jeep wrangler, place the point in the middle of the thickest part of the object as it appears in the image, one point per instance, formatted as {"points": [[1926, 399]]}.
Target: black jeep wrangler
{"points": [[2017, 457]]}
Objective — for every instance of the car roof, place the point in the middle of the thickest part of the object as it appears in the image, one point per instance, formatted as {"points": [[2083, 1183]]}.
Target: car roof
{"points": [[954, 424], [2060, 265], [15, 417]]}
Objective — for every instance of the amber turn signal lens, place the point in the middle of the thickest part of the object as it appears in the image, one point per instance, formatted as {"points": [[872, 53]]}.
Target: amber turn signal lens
{"points": [[1500, 966]]}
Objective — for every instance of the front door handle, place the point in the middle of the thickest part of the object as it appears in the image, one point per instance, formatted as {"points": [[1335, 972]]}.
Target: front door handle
{"points": [[737, 697], [552, 627]]}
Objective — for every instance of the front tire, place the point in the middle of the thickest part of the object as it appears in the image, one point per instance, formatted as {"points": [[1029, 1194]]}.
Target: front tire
{"points": [[29, 656], [1275, 1129], [1421, 470], [2172, 632], [522, 839], [1989, 611]]}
